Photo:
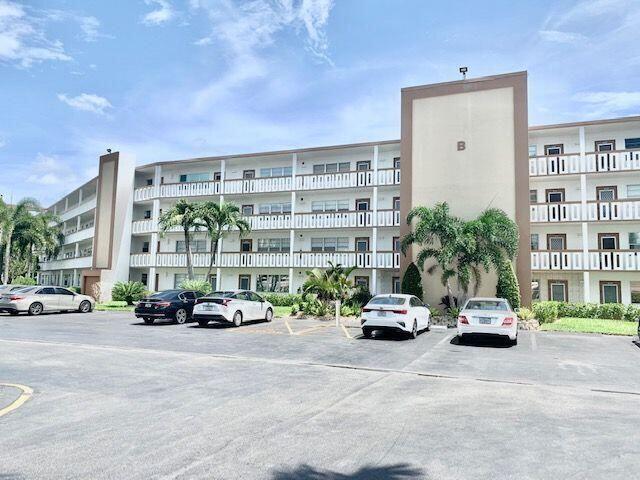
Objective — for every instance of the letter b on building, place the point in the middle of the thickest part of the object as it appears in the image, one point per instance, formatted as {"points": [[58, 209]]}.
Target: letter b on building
{"points": [[462, 146]]}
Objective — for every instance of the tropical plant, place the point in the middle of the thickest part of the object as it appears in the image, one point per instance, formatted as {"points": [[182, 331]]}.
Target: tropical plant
{"points": [[329, 285], [129, 292], [22, 280], [201, 286], [412, 281], [525, 314], [10, 217], [218, 219], [507, 286], [37, 234], [185, 215], [360, 297]]}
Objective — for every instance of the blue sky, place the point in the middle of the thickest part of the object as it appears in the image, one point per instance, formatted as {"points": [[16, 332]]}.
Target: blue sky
{"points": [[170, 79]]}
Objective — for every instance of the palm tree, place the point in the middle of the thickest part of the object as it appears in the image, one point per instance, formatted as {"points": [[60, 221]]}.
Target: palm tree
{"points": [[13, 215], [185, 215], [218, 219], [37, 234], [330, 284]]}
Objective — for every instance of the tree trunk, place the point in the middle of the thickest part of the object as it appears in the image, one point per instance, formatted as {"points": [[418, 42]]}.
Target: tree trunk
{"points": [[450, 295], [214, 252], [7, 258], [187, 241], [30, 268]]}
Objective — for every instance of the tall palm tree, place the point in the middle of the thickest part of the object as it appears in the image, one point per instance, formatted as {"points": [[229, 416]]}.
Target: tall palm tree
{"points": [[330, 284], [218, 219], [185, 215], [12, 217], [37, 234]]}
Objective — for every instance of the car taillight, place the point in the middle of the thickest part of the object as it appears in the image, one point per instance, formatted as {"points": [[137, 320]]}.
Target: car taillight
{"points": [[163, 304], [15, 298], [366, 309], [463, 320], [226, 302], [400, 312], [507, 322]]}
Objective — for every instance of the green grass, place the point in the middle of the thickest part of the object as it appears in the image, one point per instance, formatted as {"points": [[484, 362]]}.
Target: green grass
{"points": [[114, 307], [592, 325], [281, 311]]}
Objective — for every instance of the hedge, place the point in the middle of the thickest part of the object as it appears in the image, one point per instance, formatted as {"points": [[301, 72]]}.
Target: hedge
{"points": [[282, 299], [507, 286], [412, 281], [550, 311]]}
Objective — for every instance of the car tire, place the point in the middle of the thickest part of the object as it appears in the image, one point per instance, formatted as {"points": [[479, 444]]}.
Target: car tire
{"points": [[414, 330], [460, 340], [366, 333], [85, 306], [237, 318], [180, 316], [514, 341], [203, 323], [148, 321], [35, 308], [269, 315]]}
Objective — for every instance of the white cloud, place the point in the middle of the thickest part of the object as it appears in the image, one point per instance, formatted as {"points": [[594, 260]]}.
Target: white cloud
{"points": [[50, 170], [162, 14], [90, 28], [86, 102], [562, 37], [2, 143], [609, 103]]}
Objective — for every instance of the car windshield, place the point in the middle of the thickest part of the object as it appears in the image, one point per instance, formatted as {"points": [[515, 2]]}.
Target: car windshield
{"points": [[490, 305], [25, 290], [165, 295], [222, 294], [387, 300]]}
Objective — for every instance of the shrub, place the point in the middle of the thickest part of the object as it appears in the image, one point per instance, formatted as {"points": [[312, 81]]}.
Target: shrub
{"points": [[201, 286], [128, 292], [75, 289], [282, 299], [360, 297], [507, 286], [632, 313], [525, 314], [578, 310], [22, 280], [612, 311], [412, 281], [546, 311], [350, 310]]}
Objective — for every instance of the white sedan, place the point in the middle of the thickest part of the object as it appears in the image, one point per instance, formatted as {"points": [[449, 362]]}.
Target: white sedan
{"points": [[395, 312], [36, 300], [488, 316], [233, 306]]}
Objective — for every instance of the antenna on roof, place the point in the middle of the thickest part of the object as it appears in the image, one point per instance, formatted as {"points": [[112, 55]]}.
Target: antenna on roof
{"points": [[463, 71]]}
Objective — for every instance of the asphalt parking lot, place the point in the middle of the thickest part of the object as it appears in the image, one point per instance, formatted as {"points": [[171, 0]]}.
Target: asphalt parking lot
{"points": [[114, 398]]}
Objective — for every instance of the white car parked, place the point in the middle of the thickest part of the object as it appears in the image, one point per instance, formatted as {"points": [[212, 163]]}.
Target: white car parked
{"points": [[36, 300], [488, 316], [234, 306], [395, 312]]}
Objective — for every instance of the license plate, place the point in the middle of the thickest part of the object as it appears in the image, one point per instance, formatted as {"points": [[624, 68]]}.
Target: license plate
{"points": [[147, 305], [207, 307], [485, 320], [382, 314]]}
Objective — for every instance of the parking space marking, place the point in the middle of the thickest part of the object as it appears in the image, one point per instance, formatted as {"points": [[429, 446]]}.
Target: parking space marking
{"points": [[346, 333], [286, 322], [311, 329], [26, 394]]}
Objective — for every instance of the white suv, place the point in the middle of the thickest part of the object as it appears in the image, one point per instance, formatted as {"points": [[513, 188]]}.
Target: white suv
{"points": [[395, 312], [234, 306]]}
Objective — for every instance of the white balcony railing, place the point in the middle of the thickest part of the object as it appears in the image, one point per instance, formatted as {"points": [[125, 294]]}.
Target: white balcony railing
{"points": [[617, 260], [389, 260], [78, 236], [75, 210], [66, 263], [619, 160], [353, 179], [591, 212]]}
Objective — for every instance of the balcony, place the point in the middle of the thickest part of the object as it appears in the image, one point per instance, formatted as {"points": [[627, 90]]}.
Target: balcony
{"points": [[78, 209], [326, 181], [385, 260], [75, 236], [67, 263], [594, 162], [577, 260], [593, 211]]}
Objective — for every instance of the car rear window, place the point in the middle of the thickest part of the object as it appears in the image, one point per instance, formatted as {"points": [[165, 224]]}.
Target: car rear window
{"points": [[387, 301], [25, 290], [491, 305], [166, 295], [222, 294]]}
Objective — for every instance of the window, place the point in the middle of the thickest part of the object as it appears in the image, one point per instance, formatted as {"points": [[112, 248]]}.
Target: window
{"points": [[147, 214], [556, 241], [634, 240], [330, 244], [533, 196], [274, 244], [330, 206], [396, 203], [249, 174], [63, 291], [246, 245], [362, 244], [244, 282], [332, 167], [558, 290], [149, 181], [145, 247], [217, 176], [195, 177], [557, 149], [196, 246], [535, 289], [362, 204], [395, 285], [631, 143], [554, 195], [610, 292], [608, 241], [635, 292], [247, 209], [213, 280], [396, 244], [178, 279], [533, 150], [272, 283], [415, 302], [144, 279], [363, 165], [272, 208], [605, 145], [633, 191], [276, 172], [47, 291], [361, 282], [535, 241], [606, 194]]}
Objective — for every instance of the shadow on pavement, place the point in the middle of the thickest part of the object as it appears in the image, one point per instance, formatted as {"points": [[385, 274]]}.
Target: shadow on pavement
{"points": [[488, 341], [389, 472], [224, 325], [389, 336]]}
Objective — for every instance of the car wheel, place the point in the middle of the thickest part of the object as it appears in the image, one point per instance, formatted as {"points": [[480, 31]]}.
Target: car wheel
{"points": [[237, 318], [148, 321], [35, 308], [203, 323], [428, 329], [269, 315], [514, 341], [85, 306], [181, 315], [414, 330], [366, 333]]}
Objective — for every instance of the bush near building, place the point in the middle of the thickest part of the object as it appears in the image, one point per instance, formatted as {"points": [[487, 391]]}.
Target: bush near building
{"points": [[201, 286], [282, 299], [22, 280], [412, 281], [549, 311], [507, 286], [129, 292]]}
